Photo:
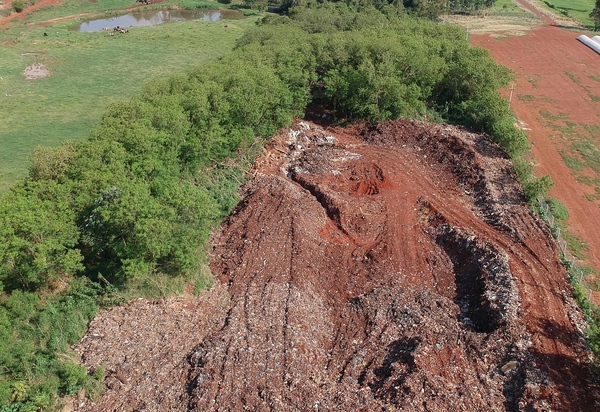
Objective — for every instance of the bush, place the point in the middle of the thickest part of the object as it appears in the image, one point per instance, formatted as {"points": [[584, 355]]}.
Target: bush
{"points": [[18, 6], [509, 137], [558, 209], [72, 377], [537, 187]]}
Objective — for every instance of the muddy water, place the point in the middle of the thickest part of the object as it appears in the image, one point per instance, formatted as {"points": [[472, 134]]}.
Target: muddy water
{"points": [[154, 17]]}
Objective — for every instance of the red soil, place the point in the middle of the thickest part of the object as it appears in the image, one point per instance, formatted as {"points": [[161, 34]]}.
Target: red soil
{"points": [[551, 65], [393, 267], [5, 20]]}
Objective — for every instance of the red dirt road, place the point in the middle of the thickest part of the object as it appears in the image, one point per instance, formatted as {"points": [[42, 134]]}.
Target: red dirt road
{"points": [[555, 73], [4, 21]]}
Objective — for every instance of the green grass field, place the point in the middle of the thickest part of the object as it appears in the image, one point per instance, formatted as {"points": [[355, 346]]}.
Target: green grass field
{"points": [[507, 7], [88, 71], [578, 9]]}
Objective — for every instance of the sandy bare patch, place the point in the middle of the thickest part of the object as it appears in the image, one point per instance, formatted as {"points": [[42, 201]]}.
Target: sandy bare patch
{"points": [[36, 71], [518, 25], [512, 25], [556, 18]]}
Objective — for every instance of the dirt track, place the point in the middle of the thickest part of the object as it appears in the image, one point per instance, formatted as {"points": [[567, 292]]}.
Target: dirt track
{"points": [[556, 73], [6, 20], [365, 269]]}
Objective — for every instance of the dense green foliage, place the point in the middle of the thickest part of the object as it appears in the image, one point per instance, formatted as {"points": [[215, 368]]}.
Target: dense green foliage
{"points": [[33, 329], [431, 9], [136, 201], [595, 15]]}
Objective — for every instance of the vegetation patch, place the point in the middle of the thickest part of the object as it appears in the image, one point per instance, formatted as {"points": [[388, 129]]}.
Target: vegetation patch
{"points": [[526, 97], [576, 245], [580, 152], [532, 81], [592, 313], [589, 153], [574, 163], [549, 116], [572, 77], [558, 210], [577, 9]]}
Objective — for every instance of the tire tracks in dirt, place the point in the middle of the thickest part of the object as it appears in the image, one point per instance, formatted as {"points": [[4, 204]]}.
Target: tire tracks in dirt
{"points": [[374, 257]]}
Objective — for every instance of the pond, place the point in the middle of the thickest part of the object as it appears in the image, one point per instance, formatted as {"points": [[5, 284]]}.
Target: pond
{"points": [[154, 17]]}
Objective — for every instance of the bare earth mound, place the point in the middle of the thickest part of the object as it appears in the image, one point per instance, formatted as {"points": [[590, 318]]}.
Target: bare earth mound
{"points": [[387, 268]]}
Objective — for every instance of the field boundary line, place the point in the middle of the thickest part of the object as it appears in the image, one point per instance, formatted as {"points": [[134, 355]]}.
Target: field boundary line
{"points": [[569, 260]]}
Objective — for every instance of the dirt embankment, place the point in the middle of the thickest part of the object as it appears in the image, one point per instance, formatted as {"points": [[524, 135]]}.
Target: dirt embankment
{"points": [[387, 268]]}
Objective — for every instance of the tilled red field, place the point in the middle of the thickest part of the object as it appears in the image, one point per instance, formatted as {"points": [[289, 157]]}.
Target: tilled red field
{"points": [[395, 267], [556, 96]]}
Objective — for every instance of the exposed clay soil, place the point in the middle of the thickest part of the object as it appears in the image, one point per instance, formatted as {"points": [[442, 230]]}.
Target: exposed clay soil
{"points": [[393, 267], [560, 75], [5, 20]]}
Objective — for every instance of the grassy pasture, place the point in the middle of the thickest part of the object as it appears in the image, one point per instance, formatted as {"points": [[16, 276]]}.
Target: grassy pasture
{"points": [[507, 8], [88, 71], [578, 9]]}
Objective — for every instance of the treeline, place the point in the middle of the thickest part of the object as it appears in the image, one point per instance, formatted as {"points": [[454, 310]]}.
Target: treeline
{"points": [[130, 209], [431, 9]]}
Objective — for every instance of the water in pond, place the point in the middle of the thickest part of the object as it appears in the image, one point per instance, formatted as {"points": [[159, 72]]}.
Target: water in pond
{"points": [[154, 17]]}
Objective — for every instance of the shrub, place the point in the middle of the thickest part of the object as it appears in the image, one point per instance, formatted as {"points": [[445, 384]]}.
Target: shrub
{"points": [[537, 187], [18, 6], [558, 209]]}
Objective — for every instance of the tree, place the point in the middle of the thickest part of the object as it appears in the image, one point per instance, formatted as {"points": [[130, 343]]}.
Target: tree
{"points": [[39, 235], [595, 15], [431, 9]]}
